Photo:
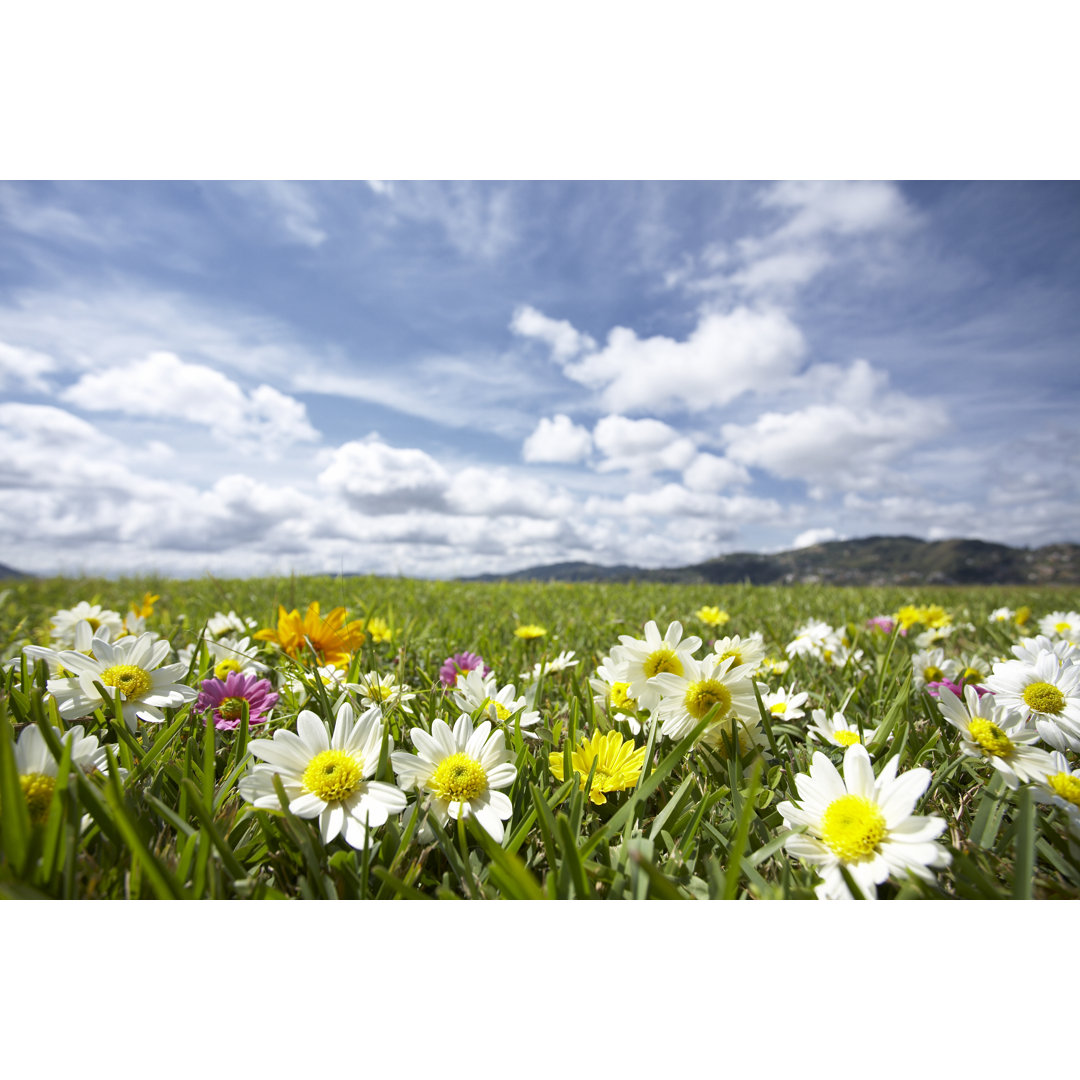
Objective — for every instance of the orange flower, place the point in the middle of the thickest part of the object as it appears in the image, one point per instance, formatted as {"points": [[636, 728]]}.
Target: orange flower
{"points": [[332, 639]]}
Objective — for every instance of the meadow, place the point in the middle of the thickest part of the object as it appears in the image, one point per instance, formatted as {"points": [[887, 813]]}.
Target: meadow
{"points": [[827, 744]]}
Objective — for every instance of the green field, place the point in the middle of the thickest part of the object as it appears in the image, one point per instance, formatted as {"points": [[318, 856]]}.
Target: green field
{"points": [[701, 820]]}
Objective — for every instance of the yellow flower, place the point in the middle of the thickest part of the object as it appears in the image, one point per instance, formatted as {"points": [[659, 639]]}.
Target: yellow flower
{"points": [[1022, 615], [332, 638], [379, 629], [529, 631], [933, 616], [712, 616], [146, 608], [618, 764]]}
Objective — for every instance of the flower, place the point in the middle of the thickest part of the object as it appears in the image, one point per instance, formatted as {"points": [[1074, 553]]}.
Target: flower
{"points": [[475, 691], [145, 608], [743, 650], [613, 696], [1062, 624], [863, 824], [813, 638], [38, 769], [930, 666], [784, 703], [561, 662], [837, 729], [382, 690], [458, 773], [618, 764], [458, 664], [712, 616], [529, 631], [64, 622], [1046, 690], [1061, 788], [638, 660], [689, 697], [326, 777], [221, 624], [379, 629], [225, 700], [1000, 615], [999, 735], [130, 666], [332, 639], [882, 623]]}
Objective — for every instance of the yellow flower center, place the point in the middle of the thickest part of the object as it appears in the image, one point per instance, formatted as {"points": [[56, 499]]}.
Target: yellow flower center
{"points": [[846, 738], [378, 692], [502, 713], [933, 674], [620, 698], [852, 827], [458, 778], [990, 738], [94, 623], [663, 659], [133, 682], [1062, 627], [703, 695], [779, 708], [222, 669], [38, 791], [232, 708], [971, 673], [737, 659], [333, 775], [1065, 786], [1044, 697]]}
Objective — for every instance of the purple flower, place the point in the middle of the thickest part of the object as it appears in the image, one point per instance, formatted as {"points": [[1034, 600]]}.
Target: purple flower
{"points": [[882, 623], [458, 664], [226, 700], [933, 688]]}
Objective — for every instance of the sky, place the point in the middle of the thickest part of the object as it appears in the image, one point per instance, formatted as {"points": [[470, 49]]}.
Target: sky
{"points": [[447, 379]]}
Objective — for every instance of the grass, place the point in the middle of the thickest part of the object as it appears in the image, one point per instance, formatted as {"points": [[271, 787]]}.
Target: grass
{"points": [[699, 824]]}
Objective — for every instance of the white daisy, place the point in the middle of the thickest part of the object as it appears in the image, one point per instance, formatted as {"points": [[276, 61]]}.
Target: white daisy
{"points": [[637, 660], [326, 777], [689, 697], [783, 703], [220, 624], [837, 729], [84, 643], [930, 666], [995, 733], [972, 669], [561, 662], [811, 639], [131, 666], [742, 650], [474, 691], [1046, 691], [64, 622], [37, 768], [613, 696], [457, 773], [1061, 624], [862, 823], [1030, 649], [1001, 615], [1061, 788], [935, 635], [382, 690]]}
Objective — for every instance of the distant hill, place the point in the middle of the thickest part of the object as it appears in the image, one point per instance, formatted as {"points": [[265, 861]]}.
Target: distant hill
{"points": [[873, 560], [8, 572]]}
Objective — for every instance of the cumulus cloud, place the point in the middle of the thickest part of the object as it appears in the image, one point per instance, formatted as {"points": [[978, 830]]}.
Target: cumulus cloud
{"points": [[565, 342], [707, 472], [24, 368], [378, 478], [640, 446], [162, 386], [726, 355], [845, 442], [557, 440], [844, 208], [810, 537]]}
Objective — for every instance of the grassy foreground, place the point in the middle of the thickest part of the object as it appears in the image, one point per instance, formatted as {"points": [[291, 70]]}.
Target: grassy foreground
{"points": [[165, 817]]}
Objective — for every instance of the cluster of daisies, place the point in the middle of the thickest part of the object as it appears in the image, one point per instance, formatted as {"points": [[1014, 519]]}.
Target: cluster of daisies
{"points": [[855, 828]]}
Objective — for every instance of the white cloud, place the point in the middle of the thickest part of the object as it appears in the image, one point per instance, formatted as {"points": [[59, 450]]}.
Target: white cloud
{"points": [[25, 368], [557, 440], [810, 537], [564, 340], [847, 441], [501, 492], [640, 446], [162, 386], [382, 479], [785, 270], [845, 208], [707, 472], [287, 205], [725, 356]]}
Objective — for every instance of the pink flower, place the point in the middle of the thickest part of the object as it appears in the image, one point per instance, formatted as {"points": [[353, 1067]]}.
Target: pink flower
{"points": [[458, 664], [933, 689], [882, 623], [225, 700]]}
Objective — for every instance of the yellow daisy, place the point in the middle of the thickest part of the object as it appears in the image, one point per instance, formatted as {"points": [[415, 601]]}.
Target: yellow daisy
{"points": [[529, 631], [618, 764], [332, 639], [712, 616]]}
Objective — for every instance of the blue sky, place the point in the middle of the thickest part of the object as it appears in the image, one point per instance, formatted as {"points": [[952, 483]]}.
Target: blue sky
{"points": [[442, 379]]}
